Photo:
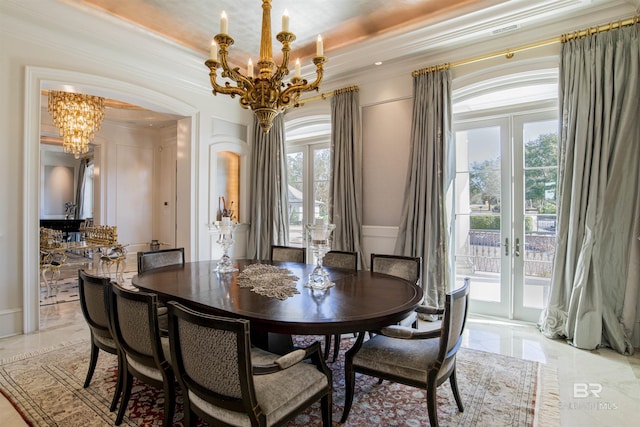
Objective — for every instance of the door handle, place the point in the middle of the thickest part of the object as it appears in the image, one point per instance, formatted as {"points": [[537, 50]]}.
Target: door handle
{"points": [[506, 246], [517, 249]]}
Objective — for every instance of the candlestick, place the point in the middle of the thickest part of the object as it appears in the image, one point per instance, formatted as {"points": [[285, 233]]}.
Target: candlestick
{"points": [[225, 227], [224, 23], [319, 47], [285, 21]]}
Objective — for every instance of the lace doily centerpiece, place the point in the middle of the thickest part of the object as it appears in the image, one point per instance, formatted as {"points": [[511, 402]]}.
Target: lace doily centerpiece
{"points": [[269, 280]]}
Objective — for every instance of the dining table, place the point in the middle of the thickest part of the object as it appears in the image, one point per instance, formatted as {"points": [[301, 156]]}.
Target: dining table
{"points": [[359, 300]]}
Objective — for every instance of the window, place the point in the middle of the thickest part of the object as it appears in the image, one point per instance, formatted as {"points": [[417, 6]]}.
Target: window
{"points": [[308, 173]]}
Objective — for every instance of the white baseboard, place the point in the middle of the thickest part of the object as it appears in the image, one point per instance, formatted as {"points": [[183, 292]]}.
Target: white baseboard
{"points": [[10, 322]]}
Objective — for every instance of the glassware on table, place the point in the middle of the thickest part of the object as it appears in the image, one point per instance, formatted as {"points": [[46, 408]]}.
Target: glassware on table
{"points": [[319, 238], [225, 228]]}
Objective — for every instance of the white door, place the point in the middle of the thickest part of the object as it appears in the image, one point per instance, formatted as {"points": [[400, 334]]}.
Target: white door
{"points": [[506, 169]]}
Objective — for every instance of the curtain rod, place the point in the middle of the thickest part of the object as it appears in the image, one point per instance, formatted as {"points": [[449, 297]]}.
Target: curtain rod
{"points": [[329, 94], [508, 53]]}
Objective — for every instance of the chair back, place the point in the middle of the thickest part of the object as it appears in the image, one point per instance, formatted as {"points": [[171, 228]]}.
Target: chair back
{"points": [[453, 322], [408, 268], [160, 258], [134, 321], [288, 253], [94, 291], [341, 259], [212, 358]]}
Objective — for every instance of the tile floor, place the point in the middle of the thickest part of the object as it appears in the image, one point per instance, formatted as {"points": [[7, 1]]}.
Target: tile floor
{"points": [[582, 375]]}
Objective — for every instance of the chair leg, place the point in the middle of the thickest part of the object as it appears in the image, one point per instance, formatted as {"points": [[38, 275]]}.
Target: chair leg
{"points": [[432, 404], [118, 390], [326, 405], [169, 400], [350, 383], [47, 283], [126, 394], [93, 360], [189, 417], [454, 388]]}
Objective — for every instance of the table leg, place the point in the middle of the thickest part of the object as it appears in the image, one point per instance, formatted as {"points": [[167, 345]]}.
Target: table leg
{"points": [[274, 343]]}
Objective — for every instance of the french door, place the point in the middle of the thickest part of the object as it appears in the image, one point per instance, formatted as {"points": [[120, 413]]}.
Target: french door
{"points": [[505, 211]]}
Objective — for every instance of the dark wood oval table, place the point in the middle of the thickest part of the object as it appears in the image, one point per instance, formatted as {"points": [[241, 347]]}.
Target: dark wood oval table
{"points": [[359, 301]]}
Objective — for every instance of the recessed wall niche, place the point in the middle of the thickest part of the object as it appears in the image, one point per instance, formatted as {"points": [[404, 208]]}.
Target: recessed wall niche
{"points": [[227, 191]]}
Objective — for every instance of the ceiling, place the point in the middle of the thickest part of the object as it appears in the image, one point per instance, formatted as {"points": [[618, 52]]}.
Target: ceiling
{"points": [[356, 33], [193, 23]]}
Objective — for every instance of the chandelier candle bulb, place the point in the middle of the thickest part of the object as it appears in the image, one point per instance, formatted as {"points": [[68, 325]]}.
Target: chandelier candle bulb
{"points": [[297, 72], [285, 21], [319, 47], [250, 68], [214, 51], [224, 23]]}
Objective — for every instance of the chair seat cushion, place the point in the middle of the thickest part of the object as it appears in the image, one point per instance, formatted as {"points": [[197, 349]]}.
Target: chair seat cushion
{"points": [[403, 358], [152, 371], [277, 394], [107, 342]]}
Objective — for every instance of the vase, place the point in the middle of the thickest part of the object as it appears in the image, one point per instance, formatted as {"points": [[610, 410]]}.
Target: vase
{"points": [[225, 227], [319, 238]]}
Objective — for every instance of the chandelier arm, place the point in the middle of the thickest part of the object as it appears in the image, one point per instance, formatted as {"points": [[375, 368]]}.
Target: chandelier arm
{"points": [[291, 93], [286, 38]]}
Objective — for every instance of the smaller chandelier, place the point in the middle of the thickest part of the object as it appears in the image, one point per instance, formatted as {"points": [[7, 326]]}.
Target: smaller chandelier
{"points": [[78, 116], [267, 95]]}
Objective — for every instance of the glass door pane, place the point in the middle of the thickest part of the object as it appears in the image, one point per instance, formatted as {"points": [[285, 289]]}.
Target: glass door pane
{"points": [[321, 175], [480, 212], [295, 181], [536, 145]]}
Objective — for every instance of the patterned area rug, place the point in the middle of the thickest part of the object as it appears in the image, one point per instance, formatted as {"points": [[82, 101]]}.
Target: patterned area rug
{"points": [[46, 388]]}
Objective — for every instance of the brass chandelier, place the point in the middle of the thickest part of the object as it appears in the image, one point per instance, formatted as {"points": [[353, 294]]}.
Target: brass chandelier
{"points": [[78, 116], [267, 95]]}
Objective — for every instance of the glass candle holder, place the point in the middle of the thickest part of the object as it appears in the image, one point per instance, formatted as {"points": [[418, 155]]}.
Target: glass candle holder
{"points": [[225, 227], [319, 238]]}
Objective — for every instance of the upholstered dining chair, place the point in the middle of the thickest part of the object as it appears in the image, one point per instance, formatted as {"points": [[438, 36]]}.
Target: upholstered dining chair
{"points": [[423, 359], [338, 259], [160, 258], [94, 293], [408, 268], [288, 253], [156, 259], [147, 357], [225, 381]]}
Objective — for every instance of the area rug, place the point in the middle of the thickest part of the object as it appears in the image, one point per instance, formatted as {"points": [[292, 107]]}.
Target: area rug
{"points": [[46, 388]]}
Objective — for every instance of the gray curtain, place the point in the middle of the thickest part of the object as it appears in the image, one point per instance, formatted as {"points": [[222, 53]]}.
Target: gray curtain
{"points": [[79, 213], [423, 224], [594, 289], [268, 189], [345, 210]]}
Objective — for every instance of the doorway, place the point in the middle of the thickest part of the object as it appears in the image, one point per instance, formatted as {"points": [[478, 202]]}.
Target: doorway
{"points": [[39, 79], [505, 216]]}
